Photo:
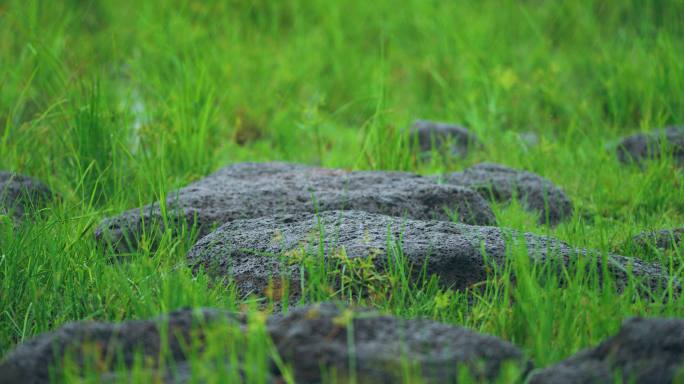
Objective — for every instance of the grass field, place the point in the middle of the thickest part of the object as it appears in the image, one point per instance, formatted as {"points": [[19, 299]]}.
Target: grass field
{"points": [[115, 103]]}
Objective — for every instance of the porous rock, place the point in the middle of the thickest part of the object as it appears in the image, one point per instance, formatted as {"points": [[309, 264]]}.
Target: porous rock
{"points": [[644, 351], [449, 138], [115, 343], [500, 183], [320, 336], [250, 190], [645, 146], [20, 195], [663, 239], [258, 251], [307, 338]]}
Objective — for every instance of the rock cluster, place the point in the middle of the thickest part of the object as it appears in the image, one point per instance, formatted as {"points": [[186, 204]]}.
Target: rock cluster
{"points": [[261, 224], [251, 190], [311, 339], [330, 339]]}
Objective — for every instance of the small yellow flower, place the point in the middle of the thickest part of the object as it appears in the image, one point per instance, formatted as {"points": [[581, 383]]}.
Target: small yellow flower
{"points": [[344, 319], [507, 78]]}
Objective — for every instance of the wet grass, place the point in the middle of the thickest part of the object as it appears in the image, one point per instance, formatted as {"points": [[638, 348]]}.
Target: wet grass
{"points": [[114, 104]]}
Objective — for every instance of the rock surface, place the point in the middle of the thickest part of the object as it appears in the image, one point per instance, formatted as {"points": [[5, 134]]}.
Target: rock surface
{"points": [[257, 251], [307, 338], [643, 146], [319, 336], [451, 138], [663, 239], [644, 350], [250, 190], [31, 362], [20, 195], [500, 183]]}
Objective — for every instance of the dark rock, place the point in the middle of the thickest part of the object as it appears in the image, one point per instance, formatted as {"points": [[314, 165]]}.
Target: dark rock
{"points": [[119, 342], [664, 239], [250, 190], [259, 251], [318, 336], [455, 139], [644, 146], [499, 183], [644, 351], [20, 195], [307, 338]]}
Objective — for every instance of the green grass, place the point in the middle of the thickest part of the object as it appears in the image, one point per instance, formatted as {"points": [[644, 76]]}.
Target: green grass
{"points": [[115, 103]]}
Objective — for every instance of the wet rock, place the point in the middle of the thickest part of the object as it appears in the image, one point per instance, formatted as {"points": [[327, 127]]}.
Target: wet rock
{"points": [[453, 139], [644, 146], [257, 252], [20, 195], [643, 351], [250, 190], [318, 336], [499, 183], [664, 239], [106, 343]]}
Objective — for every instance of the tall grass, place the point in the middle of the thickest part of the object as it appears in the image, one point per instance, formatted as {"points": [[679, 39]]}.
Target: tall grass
{"points": [[116, 103]]}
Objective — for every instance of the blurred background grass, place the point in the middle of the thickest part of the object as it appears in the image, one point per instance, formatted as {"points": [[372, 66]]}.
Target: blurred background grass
{"points": [[113, 103]]}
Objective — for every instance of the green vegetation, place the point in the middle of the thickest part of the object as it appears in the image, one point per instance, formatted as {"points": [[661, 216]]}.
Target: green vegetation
{"points": [[115, 103]]}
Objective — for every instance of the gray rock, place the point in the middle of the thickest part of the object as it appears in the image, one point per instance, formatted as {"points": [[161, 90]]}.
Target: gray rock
{"points": [[31, 362], [528, 139], [258, 251], [663, 239], [319, 336], [305, 338], [499, 183], [453, 139], [644, 146], [20, 195], [250, 190], [644, 351]]}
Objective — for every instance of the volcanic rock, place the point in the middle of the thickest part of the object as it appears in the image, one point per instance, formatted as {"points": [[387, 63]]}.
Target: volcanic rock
{"points": [[643, 351], [20, 195], [644, 146], [499, 183], [448, 138], [384, 347], [251, 190], [663, 239], [309, 339], [257, 252], [107, 343]]}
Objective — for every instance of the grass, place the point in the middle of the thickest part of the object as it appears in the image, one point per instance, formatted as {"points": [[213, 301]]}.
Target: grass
{"points": [[115, 103]]}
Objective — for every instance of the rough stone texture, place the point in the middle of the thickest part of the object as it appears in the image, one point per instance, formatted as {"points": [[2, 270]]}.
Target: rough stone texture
{"points": [[21, 194], [663, 239], [500, 183], [317, 336], [644, 350], [306, 337], [244, 249], [643, 146], [429, 134], [250, 190], [30, 362]]}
